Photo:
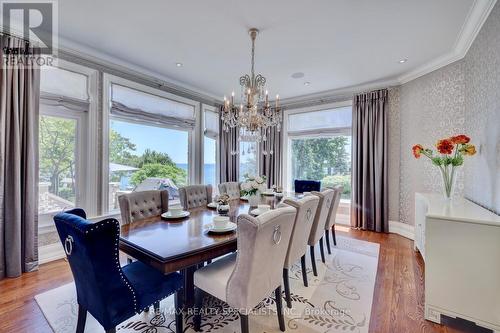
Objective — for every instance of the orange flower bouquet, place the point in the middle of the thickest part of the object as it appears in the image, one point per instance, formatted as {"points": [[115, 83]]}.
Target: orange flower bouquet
{"points": [[451, 155]]}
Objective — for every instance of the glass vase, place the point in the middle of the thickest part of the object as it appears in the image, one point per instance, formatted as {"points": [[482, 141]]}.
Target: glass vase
{"points": [[448, 179]]}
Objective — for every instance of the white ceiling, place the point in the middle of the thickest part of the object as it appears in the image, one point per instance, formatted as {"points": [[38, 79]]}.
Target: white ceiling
{"points": [[335, 43]]}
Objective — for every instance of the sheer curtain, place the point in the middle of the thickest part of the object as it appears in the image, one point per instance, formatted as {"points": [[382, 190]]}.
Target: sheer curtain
{"points": [[369, 205], [229, 159], [19, 106]]}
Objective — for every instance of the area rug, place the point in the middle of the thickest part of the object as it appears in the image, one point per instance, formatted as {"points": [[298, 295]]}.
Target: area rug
{"points": [[339, 299]]}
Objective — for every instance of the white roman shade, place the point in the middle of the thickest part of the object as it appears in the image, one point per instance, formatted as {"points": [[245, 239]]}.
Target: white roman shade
{"points": [[211, 124], [62, 88], [332, 121], [130, 104]]}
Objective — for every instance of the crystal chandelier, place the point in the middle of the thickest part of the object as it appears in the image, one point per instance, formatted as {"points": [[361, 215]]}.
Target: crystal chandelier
{"points": [[255, 114]]}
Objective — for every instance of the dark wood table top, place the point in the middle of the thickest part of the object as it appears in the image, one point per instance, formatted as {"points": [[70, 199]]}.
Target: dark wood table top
{"points": [[177, 244]]}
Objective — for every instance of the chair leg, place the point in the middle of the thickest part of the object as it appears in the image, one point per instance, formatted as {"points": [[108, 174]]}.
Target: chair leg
{"points": [[304, 270], [82, 317], [313, 261], [198, 304], [156, 306], [244, 323], [322, 250], [286, 283], [279, 309], [327, 234], [333, 236], [178, 312]]}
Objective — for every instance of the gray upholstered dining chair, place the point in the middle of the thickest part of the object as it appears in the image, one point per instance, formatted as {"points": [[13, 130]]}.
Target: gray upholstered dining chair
{"points": [[306, 210], [142, 205], [316, 235], [247, 277], [138, 206], [193, 196], [230, 188], [330, 221]]}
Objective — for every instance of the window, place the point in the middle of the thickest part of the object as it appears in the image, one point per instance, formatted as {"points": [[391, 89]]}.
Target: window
{"points": [[210, 146], [58, 164], [145, 157], [149, 144], [319, 147], [64, 114], [248, 159]]}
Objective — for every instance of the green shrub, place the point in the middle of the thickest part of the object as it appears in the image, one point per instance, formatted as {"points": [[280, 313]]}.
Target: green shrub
{"points": [[156, 170], [344, 180]]}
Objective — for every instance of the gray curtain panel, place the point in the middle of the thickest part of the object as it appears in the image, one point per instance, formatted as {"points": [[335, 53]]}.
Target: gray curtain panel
{"points": [[19, 103], [228, 145], [369, 205], [271, 157]]}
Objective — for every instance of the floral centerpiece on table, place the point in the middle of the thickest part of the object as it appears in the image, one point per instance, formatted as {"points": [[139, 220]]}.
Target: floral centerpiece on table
{"points": [[451, 155], [251, 188]]}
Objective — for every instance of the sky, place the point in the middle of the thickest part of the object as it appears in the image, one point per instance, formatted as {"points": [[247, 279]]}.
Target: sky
{"points": [[172, 142]]}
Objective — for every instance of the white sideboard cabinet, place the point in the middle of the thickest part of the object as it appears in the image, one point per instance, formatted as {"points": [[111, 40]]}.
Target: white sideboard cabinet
{"points": [[460, 243]]}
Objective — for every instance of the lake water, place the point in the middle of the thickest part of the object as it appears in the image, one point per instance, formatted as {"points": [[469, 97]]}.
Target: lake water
{"points": [[208, 172]]}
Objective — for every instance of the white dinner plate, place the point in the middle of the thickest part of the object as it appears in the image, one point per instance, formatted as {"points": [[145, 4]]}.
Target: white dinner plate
{"points": [[230, 226], [257, 211], [169, 216], [212, 205]]}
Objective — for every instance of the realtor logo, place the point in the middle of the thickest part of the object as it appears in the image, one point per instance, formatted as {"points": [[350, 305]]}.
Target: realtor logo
{"points": [[35, 21]]}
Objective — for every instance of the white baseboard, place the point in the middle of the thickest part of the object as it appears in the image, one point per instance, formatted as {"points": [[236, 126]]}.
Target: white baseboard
{"points": [[402, 229], [50, 252]]}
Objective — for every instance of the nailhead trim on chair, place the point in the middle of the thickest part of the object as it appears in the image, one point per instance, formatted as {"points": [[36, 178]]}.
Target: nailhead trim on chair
{"points": [[117, 258]]}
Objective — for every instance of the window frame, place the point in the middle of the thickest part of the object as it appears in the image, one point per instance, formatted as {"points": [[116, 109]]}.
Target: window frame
{"points": [[319, 133], [209, 108], [257, 159], [194, 142], [86, 151]]}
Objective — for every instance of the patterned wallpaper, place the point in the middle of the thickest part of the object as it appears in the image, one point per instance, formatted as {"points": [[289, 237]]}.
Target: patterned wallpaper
{"points": [[462, 97], [431, 107], [482, 117]]}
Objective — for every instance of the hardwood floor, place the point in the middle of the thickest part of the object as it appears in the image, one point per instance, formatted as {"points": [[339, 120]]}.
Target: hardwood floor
{"points": [[398, 304]]}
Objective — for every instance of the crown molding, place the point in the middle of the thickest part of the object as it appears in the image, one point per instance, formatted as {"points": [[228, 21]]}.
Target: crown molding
{"points": [[335, 95], [476, 17], [70, 49]]}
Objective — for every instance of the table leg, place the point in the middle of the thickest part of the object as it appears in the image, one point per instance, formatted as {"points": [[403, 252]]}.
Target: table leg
{"points": [[188, 286]]}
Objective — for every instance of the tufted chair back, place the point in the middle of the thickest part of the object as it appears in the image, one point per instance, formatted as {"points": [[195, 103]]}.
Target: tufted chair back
{"points": [[92, 252], [195, 196], [306, 211], [230, 188], [302, 186], [137, 206], [318, 228], [330, 221], [262, 247]]}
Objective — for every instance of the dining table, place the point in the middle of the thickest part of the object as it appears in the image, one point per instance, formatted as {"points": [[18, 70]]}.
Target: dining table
{"points": [[184, 244]]}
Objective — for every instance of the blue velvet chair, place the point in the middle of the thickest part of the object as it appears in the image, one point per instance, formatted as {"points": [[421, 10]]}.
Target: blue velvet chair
{"points": [[111, 293], [302, 186]]}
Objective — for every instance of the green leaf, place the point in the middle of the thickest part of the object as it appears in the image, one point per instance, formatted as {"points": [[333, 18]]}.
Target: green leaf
{"points": [[437, 161], [457, 160]]}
